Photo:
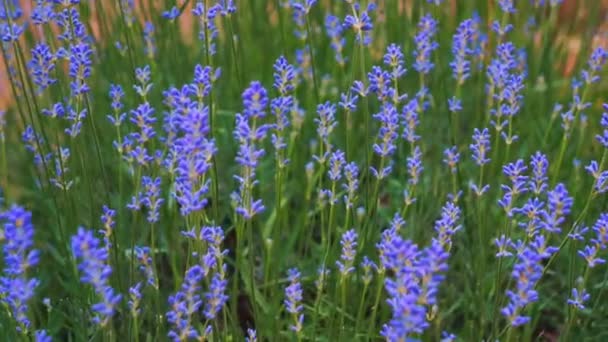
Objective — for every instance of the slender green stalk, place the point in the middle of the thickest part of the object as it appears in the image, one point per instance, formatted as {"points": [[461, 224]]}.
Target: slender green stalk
{"points": [[376, 306], [312, 61], [97, 147], [254, 304], [366, 131], [343, 294], [360, 308]]}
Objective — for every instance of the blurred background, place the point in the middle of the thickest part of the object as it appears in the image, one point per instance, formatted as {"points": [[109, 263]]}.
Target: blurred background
{"points": [[574, 21]]}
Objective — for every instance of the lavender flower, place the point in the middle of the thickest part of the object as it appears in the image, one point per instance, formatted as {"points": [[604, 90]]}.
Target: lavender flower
{"points": [[559, 204], [191, 149], [215, 298], [116, 94], [454, 105], [603, 138], [589, 253], [284, 76], [514, 171], [507, 6], [32, 143], [144, 118], [349, 245], [251, 336], [481, 146], [80, 68], [368, 267], [75, 118], [351, 174], [532, 212], [42, 13], [323, 274], [409, 117], [171, 14], [360, 22], [304, 62], [151, 198], [409, 316], [447, 225], [414, 166], [461, 67], [388, 134], [544, 251], [578, 233], [447, 337], [254, 101], [451, 158], [203, 80], [184, 305], [107, 220], [432, 268], [41, 66], [526, 272], [293, 300], [359, 88], [10, 30], [60, 180], [425, 45], [334, 30], [594, 64], [280, 107], [208, 31], [96, 272], [16, 288], [135, 299], [578, 298], [336, 162], [503, 243], [143, 75], [304, 6], [144, 259], [600, 228], [11, 11], [149, 43], [393, 58], [42, 336], [227, 7], [539, 165], [128, 7], [380, 84], [326, 122]]}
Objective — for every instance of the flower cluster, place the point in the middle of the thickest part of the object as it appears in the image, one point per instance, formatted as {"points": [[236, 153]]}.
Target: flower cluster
{"points": [[96, 272], [20, 256]]}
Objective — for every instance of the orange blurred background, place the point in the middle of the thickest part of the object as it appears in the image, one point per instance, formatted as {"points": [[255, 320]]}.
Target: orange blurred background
{"points": [[572, 14]]}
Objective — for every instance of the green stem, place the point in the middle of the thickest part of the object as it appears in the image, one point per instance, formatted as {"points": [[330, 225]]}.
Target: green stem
{"points": [[343, 293], [376, 307], [312, 60], [251, 248], [360, 309], [97, 147]]}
